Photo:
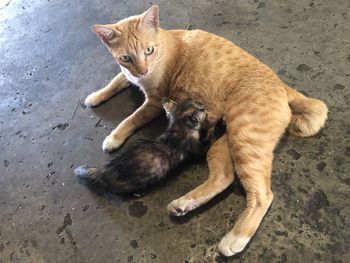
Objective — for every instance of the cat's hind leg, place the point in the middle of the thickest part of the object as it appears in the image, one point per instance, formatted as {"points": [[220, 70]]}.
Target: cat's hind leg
{"points": [[117, 84], [220, 177], [252, 134]]}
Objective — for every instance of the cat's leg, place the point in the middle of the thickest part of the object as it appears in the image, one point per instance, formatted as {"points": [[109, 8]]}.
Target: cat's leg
{"points": [[117, 84], [150, 109], [220, 177], [252, 135]]}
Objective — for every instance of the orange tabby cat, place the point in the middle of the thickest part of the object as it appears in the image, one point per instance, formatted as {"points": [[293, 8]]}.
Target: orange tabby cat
{"points": [[256, 105]]}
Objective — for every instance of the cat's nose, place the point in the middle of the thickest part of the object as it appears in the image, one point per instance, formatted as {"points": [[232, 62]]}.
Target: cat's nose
{"points": [[144, 71]]}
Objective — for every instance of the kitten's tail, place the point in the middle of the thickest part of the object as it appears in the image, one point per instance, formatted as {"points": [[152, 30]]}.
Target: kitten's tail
{"points": [[104, 177], [109, 178], [87, 173], [308, 114]]}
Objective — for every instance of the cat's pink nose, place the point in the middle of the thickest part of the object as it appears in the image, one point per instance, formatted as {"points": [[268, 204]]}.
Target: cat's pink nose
{"points": [[143, 72]]}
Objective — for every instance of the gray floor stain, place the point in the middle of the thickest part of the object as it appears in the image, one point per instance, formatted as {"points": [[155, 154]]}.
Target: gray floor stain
{"points": [[137, 209]]}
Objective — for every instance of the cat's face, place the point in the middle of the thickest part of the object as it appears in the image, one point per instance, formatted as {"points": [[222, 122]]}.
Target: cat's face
{"points": [[188, 120], [134, 42]]}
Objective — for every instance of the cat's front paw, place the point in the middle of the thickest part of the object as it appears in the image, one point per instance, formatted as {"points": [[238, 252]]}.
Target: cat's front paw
{"points": [[232, 244], [111, 143], [93, 100], [181, 206]]}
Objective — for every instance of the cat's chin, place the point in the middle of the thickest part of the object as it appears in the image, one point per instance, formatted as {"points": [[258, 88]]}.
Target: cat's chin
{"points": [[134, 79]]}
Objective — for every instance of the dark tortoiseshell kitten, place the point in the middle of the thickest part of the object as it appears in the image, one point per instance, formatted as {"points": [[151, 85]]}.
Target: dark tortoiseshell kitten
{"points": [[187, 137]]}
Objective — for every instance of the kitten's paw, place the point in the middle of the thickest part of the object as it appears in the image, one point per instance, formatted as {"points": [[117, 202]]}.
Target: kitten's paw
{"points": [[111, 144], [232, 244], [93, 100], [181, 206]]}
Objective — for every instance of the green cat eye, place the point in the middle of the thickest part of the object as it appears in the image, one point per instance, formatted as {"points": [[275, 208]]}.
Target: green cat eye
{"points": [[125, 58], [149, 50]]}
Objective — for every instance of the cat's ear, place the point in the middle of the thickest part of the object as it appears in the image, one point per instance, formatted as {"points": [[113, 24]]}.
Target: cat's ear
{"points": [[168, 105], [106, 33], [150, 18]]}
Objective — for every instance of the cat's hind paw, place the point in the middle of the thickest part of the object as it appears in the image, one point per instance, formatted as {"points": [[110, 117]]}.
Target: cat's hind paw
{"points": [[181, 206], [111, 144], [232, 244]]}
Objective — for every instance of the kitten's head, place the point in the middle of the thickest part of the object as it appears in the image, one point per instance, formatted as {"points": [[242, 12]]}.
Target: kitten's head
{"points": [[189, 124], [134, 42]]}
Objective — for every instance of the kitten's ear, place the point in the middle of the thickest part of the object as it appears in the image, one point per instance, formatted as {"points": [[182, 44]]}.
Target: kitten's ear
{"points": [[168, 105], [105, 33], [150, 18]]}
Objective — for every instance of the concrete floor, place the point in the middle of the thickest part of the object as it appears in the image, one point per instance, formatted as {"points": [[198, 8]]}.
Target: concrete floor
{"points": [[50, 61]]}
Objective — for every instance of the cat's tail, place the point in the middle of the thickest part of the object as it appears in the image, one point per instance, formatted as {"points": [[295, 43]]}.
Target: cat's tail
{"points": [[308, 115]]}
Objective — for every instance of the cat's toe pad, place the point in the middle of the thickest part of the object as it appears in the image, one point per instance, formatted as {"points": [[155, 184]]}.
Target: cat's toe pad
{"points": [[111, 144], [232, 244], [181, 206]]}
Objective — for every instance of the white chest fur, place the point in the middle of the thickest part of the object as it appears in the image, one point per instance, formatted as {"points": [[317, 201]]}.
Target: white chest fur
{"points": [[129, 77], [146, 84]]}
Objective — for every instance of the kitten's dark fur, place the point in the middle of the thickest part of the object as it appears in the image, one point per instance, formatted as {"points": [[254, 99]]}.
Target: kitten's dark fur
{"points": [[188, 136]]}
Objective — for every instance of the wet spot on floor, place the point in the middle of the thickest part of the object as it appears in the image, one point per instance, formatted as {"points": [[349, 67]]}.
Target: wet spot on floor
{"points": [[67, 221], [347, 181], [338, 87], [281, 233], [317, 201], [295, 155], [221, 259], [347, 151], [34, 243], [320, 166], [261, 5], [2, 248], [303, 67], [134, 244], [61, 126], [137, 209], [6, 163], [70, 238], [281, 71]]}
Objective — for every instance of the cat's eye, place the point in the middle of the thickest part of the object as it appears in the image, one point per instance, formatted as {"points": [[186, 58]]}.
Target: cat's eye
{"points": [[125, 58], [149, 50]]}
